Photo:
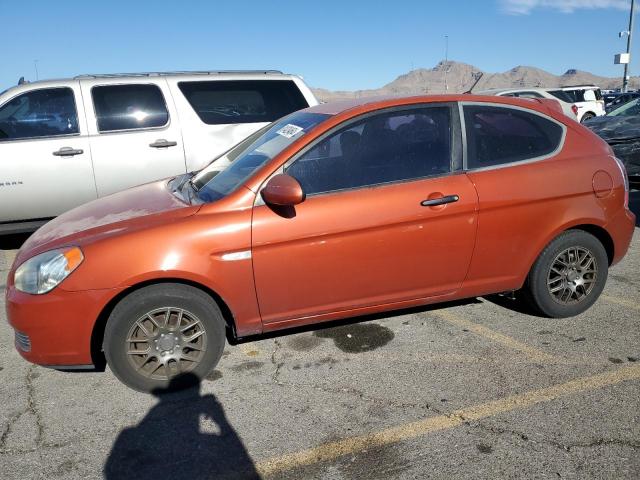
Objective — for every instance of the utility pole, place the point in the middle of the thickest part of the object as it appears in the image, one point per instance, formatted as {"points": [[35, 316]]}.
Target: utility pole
{"points": [[446, 62], [446, 48], [35, 64], [625, 80]]}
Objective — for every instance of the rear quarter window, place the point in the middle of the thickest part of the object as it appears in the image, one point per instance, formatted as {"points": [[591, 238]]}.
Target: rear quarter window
{"points": [[499, 135], [224, 102]]}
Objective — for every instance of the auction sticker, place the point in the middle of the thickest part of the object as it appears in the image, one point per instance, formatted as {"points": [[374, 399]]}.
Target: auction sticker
{"points": [[289, 130]]}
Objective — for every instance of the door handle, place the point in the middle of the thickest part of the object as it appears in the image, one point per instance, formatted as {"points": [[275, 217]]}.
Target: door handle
{"points": [[68, 152], [162, 143], [433, 202]]}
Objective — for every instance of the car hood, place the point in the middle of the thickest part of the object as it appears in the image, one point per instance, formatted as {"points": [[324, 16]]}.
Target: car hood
{"points": [[129, 210], [616, 129]]}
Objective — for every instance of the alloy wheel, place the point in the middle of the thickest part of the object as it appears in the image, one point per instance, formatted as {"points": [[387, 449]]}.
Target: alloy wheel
{"points": [[166, 342], [572, 275]]}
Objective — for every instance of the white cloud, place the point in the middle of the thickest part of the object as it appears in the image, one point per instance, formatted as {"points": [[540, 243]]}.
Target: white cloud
{"points": [[524, 7]]}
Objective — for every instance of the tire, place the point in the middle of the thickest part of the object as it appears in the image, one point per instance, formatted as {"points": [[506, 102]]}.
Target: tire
{"points": [[587, 116], [568, 248], [164, 337]]}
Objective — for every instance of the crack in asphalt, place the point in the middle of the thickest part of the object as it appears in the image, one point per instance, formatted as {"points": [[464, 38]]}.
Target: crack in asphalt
{"points": [[278, 365], [29, 408], [569, 447]]}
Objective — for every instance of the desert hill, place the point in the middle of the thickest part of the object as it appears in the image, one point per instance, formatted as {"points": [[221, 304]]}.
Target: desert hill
{"points": [[456, 77]]}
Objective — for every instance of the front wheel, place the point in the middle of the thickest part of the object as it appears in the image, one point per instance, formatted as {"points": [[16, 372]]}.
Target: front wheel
{"points": [[164, 336], [568, 276]]}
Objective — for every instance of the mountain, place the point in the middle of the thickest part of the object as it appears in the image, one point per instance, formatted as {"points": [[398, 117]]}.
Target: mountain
{"points": [[456, 77]]}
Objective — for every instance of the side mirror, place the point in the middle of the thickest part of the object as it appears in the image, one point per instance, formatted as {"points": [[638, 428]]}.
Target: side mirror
{"points": [[283, 190]]}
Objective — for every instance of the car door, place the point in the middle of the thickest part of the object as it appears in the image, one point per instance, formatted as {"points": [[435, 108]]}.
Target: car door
{"points": [[45, 159], [135, 132], [386, 219]]}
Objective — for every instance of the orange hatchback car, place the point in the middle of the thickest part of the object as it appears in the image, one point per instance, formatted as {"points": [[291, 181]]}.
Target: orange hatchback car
{"points": [[334, 211]]}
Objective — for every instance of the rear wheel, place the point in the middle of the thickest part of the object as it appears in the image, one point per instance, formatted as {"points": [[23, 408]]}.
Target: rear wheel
{"points": [[587, 116], [164, 336], [568, 276]]}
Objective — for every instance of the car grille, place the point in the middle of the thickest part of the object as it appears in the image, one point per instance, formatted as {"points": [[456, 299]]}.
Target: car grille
{"points": [[23, 342]]}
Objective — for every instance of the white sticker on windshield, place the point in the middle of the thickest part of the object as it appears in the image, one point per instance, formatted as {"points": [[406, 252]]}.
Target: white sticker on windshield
{"points": [[289, 130]]}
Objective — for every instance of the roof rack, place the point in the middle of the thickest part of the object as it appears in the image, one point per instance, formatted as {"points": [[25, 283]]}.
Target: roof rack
{"points": [[580, 86], [160, 74]]}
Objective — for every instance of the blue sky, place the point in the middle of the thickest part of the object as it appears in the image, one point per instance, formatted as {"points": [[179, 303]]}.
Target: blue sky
{"points": [[333, 44]]}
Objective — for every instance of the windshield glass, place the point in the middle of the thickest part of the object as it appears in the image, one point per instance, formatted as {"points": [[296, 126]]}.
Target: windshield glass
{"points": [[233, 168], [627, 110]]}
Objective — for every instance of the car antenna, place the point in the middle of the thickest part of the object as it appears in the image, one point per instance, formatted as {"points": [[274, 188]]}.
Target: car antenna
{"points": [[22, 81], [478, 76]]}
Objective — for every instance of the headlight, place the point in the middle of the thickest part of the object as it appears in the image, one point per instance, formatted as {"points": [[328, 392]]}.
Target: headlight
{"points": [[44, 272]]}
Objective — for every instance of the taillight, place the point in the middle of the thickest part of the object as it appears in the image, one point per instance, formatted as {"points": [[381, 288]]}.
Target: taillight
{"points": [[574, 109], [623, 170]]}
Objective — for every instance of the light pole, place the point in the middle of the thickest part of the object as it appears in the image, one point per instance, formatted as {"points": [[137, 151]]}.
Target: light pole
{"points": [[446, 62], [629, 33]]}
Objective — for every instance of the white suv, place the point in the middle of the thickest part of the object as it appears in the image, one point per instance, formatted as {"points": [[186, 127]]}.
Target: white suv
{"points": [[66, 142], [587, 99], [536, 93]]}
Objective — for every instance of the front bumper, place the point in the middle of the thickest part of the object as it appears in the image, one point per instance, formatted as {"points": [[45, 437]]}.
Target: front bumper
{"points": [[55, 329]]}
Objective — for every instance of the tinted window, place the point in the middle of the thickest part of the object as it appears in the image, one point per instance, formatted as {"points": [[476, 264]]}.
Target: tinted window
{"points": [[497, 135], [566, 96], [128, 107], [243, 101], [40, 113], [388, 147], [524, 95], [233, 168]]}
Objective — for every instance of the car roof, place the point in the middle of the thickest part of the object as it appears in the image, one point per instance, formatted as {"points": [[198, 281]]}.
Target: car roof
{"points": [[183, 75], [364, 104]]}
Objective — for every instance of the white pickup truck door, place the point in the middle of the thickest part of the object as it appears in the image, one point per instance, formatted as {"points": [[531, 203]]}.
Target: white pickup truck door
{"points": [[45, 158], [134, 130]]}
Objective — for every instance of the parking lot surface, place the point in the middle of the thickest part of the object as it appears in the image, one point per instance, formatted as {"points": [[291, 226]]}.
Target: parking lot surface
{"points": [[476, 390]]}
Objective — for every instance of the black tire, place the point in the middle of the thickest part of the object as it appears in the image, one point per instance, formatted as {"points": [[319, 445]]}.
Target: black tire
{"points": [[197, 308], [536, 290], [587, 116]]}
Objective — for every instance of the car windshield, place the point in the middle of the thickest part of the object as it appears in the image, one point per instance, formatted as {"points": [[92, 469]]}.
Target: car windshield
{"points": [[230, 170], [629, 109]]}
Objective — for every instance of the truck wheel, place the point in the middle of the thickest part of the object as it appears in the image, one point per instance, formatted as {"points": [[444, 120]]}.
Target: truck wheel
{"points": [[164, 336], [568, 276]]}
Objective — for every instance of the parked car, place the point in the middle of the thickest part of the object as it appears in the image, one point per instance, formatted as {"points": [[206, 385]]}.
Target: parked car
{"points": [[586, 98], [66, 142], [568, 108], [615, 100], [337, 210], [620, 128]]}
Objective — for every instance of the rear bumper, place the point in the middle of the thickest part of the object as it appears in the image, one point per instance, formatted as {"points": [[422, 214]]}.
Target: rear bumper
{"points": [[621, 229], [55, 329]]}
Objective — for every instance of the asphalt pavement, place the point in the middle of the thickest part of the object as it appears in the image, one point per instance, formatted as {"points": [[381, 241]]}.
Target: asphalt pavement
{"points": [[476, 389]]}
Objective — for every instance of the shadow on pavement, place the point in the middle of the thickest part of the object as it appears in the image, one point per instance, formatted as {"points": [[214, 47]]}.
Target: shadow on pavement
{"points": [[14, 241], [169, 441]]}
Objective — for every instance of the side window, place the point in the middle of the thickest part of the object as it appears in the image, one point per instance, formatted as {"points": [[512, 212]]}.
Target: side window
{"points": [[387, 147], [48, 112], [242, 101], [129, 107], [497, 135]]}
